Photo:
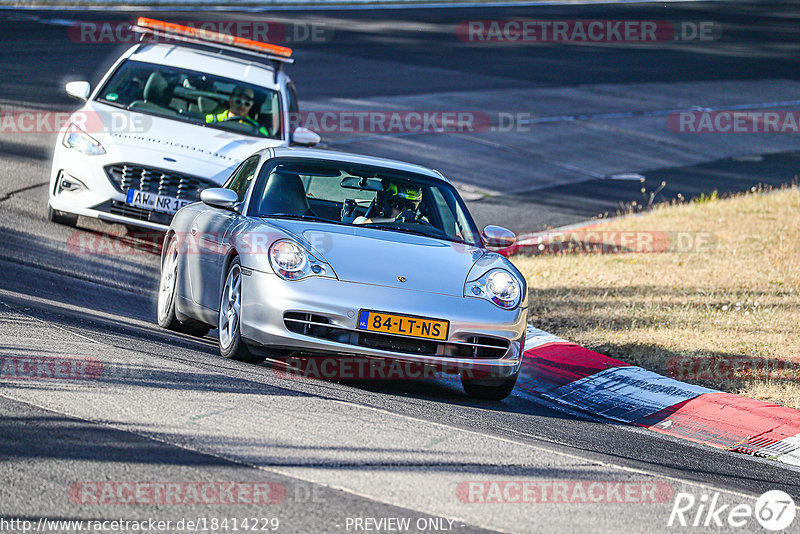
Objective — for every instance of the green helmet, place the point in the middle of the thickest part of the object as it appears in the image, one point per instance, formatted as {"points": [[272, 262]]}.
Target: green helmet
{"points": [[413, 194]]}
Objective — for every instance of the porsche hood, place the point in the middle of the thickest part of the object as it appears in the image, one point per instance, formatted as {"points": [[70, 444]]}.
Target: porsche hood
{"points": [[388, 258]]}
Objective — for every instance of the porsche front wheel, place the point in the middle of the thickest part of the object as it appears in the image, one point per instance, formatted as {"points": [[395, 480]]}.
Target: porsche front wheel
{"points": [[231, 345]]}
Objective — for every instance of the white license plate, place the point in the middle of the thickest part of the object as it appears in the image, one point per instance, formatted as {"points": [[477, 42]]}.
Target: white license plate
{"points": [[151, 201]]}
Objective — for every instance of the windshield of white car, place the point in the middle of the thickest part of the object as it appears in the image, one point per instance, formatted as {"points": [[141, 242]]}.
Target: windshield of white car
{"points": [[194, 97], [360, 195]]}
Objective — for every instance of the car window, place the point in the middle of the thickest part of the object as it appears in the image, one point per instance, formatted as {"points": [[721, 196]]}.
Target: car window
{"points": [[295, 119], [192, 96], [241, 179], [294, 106], [322, 188], [362, 195], [449, 215]]}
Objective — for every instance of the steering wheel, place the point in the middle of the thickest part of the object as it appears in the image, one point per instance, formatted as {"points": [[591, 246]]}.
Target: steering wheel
{"points": [[241, 120], [408, 216]]}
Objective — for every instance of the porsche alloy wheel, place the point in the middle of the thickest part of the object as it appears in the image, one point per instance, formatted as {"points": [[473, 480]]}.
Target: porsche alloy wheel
{"points": [[230, 318], [167, 288]]}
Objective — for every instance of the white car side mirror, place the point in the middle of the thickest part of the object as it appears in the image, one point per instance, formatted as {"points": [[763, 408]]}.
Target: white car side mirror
{"points": [[305, 137], [79, 90]]}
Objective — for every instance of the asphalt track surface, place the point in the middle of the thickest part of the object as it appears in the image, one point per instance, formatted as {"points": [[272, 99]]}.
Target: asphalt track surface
{"points": [[167, 408]]}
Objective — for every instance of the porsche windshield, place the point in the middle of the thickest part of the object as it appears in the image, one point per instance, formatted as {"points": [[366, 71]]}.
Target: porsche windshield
{"points": [[194, 97], [365, 196]]}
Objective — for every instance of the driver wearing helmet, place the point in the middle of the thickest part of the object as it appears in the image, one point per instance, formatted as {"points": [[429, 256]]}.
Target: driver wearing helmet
{"points": [[400, 204]]}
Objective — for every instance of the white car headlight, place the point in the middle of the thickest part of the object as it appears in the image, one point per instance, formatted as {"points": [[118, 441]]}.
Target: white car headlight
{"points": [[498, 286], [77, 139], [292, 262]]}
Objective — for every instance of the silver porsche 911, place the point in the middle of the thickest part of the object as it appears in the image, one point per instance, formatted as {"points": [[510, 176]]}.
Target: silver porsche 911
{"points": [[317, 253]]}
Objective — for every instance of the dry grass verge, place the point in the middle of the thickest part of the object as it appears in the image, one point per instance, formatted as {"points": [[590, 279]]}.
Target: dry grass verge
{"points": [[726, 316]]}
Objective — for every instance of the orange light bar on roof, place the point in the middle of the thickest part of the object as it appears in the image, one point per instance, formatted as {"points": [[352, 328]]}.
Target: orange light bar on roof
{"points": [[206, 35]]}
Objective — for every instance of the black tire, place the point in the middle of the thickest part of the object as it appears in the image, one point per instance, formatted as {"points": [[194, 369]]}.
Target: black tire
{"points": [[167, 288], [231, 345], [61, 217], [493, 392]]}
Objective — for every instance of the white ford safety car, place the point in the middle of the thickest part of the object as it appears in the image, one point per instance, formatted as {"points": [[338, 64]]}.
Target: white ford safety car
{"points": [[169, 119]]}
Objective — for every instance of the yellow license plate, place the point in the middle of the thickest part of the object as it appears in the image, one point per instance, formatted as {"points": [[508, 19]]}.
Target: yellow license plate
{"points": [[403, 325]]}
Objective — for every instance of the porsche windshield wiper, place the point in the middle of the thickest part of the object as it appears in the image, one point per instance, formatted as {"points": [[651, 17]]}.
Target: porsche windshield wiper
{"points": [[295, 217], [403, 229], [416, 232], [291, 216]]}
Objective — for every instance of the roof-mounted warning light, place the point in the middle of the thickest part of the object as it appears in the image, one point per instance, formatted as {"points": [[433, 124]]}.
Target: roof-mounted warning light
{"points": [[159, 29]]}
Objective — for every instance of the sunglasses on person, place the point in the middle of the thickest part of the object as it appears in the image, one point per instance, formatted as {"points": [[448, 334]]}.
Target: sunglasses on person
{"points": [[239, 101]]}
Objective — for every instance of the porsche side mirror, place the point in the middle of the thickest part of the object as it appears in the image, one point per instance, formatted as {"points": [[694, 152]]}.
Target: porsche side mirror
{"points": [[219, 197], [497, 236]]}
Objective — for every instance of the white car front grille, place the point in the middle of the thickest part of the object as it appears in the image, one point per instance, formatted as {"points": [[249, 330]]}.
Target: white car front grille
{"points": [[162, 182]]}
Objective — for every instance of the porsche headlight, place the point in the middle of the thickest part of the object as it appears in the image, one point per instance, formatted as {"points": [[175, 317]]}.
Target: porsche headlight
{"points": [[498, 286], [77, 139], [292, 262]]}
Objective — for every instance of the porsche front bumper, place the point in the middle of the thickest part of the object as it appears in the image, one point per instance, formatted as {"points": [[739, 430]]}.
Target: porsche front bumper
{"points": [[320, 315]]}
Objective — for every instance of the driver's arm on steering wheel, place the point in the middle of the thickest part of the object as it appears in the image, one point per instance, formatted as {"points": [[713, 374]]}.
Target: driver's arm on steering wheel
{"points": [[225, 116]]}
